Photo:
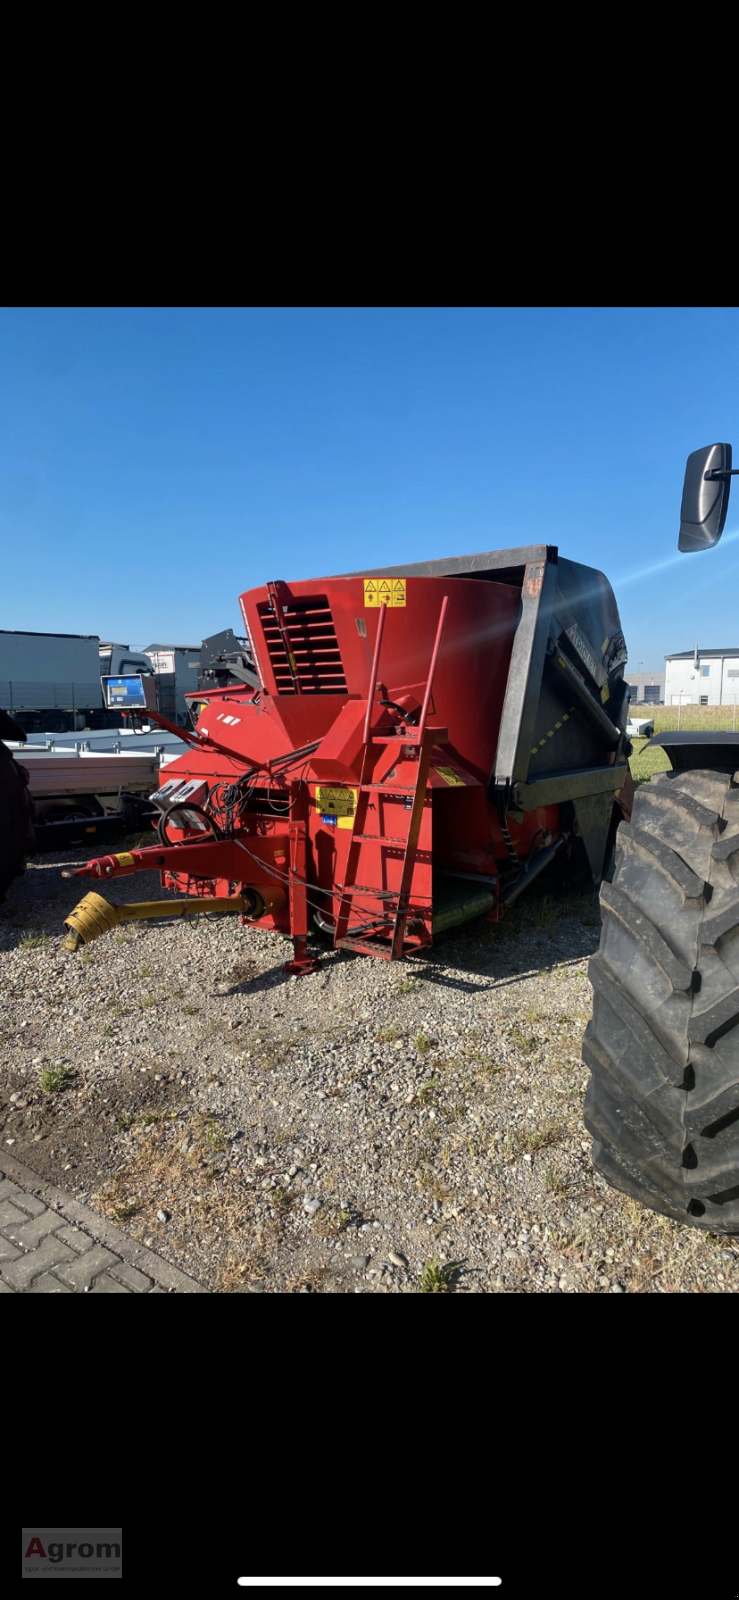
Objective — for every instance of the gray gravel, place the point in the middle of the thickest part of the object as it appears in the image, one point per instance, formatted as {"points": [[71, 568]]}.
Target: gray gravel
{"points": [[368, 1128]]}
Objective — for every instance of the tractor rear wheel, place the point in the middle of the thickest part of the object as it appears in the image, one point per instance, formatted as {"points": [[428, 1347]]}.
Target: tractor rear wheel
{"points": [[663, 1043]]}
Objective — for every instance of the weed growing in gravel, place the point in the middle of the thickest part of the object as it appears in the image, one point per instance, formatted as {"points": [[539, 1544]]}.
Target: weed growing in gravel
{"points": [[546, 915], [538, 1138], [51, 1078], [422, 1043], [189, 1011], [590, 918], [434, 1278], [523, 1040], [486, 1067], [407, 986], [332, 1221], [144, 1119], [387, 1035], [553, 1182], [235, 1271], [31, 941], [428, 1181], [213, 1134], [147, 1001], [425, 1092], [146, 972]]}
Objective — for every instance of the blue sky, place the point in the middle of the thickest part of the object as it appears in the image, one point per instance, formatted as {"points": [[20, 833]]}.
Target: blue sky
{"points": [[156, 463]]}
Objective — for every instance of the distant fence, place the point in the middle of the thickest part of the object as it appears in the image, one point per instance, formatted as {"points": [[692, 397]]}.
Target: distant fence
{"points": [[666, 718], [17, 695]]}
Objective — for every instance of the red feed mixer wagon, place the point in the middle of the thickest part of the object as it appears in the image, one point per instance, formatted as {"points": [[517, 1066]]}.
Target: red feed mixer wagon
{"points": [[412, 750]]}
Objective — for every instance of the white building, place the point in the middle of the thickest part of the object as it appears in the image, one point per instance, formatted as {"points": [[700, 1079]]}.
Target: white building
{"points": [[646, 688], [702, 677]]}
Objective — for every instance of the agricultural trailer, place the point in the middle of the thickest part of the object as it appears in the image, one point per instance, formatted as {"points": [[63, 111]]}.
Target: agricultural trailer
{"points": [[415, 748]]}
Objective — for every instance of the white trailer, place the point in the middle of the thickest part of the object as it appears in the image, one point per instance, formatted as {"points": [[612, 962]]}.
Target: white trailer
{"points": [[80, 795]]}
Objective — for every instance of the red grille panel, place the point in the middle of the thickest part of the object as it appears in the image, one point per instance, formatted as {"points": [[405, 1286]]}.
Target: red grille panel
{"points": [[313, 643]]}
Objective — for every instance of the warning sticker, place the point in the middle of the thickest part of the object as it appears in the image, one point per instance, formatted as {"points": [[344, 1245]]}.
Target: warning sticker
{"points": [[335, 802], [125, 860], [449, 776], [384, 591]]}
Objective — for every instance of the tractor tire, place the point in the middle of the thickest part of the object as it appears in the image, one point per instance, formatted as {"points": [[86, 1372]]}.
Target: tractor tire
{"points": [[663, 1043]]}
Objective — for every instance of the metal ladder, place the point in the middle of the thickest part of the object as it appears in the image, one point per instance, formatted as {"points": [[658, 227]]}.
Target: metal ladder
{"points": [[385, 936]]}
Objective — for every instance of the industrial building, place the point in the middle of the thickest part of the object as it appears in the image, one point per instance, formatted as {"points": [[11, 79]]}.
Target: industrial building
{"points": [[646, 688], [702, 677]]}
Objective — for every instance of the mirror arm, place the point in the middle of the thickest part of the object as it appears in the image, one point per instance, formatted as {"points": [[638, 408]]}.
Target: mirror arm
{"points": [[716, 472]]}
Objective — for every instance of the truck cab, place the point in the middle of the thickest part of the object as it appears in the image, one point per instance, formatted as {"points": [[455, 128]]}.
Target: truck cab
{"points": [[118, 660]]}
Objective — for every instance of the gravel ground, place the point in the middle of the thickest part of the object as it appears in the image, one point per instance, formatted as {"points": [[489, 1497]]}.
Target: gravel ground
{"points": [[366, 1129]]}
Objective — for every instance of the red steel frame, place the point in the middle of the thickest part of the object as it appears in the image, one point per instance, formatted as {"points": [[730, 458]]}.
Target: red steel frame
{"points": [[423, 786]]}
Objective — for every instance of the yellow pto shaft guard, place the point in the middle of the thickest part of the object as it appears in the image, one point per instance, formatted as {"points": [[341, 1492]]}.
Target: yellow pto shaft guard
{"points": [[94, 915]]}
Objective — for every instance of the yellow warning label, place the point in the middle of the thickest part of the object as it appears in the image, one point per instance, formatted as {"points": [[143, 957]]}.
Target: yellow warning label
{"points": [[337, 802], [384, 591], [449, 776], [125, 860]]}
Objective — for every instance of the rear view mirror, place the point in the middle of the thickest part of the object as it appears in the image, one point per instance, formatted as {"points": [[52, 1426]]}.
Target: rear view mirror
{"points": [[705, 497]]}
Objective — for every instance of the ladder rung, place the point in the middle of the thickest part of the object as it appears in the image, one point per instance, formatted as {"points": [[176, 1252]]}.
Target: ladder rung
{"points": [[366, 946], [379, 838], [395, 738]]}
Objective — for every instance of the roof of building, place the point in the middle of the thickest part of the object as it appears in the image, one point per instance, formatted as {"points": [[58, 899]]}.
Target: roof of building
{"points": [[687, 655], [171, 647]]}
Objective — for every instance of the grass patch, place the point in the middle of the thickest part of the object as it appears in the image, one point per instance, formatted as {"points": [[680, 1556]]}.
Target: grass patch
{"points": [[538, 1138], [643, 763], [553, 1182], [210, 1132], [31, 941], [387, 1035], [407, 986], [422, 1043], [239, 1270], [523, 1040], [428, 1181], [332, 1221], [435, 1278], [53, 1078], [143, 1119], [146, 972]]}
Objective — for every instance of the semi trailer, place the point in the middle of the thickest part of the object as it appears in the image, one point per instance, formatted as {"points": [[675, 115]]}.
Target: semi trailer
{"points": [[50, 682]]}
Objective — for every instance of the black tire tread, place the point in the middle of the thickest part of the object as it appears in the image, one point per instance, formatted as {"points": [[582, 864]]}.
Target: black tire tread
{"points": [[662, 1046]]}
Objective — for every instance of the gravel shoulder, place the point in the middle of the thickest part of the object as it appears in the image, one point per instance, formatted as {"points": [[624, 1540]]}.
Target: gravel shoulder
{"points": [[368, 1128]]}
